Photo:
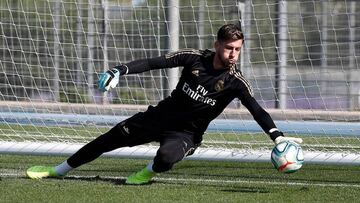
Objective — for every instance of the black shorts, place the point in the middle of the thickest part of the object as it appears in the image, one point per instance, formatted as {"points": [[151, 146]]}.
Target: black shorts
{"points": [[155, 123], [138, 130]]}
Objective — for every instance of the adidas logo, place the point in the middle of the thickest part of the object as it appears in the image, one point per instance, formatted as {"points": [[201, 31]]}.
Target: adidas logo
{"points": [[195, 72]]}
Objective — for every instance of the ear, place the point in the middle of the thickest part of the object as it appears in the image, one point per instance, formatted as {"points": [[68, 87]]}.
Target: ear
{"points": [[216, 44]]}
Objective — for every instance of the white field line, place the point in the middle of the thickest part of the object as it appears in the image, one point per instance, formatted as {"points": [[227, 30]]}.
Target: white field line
{"points": [[184, 180]]}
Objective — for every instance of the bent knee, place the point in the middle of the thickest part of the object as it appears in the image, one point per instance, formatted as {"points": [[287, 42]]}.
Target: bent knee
{"points": [[169, 156]]}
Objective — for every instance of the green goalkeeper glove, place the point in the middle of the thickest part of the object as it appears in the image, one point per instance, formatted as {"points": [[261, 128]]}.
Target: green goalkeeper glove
{"points": [[109, 79]]}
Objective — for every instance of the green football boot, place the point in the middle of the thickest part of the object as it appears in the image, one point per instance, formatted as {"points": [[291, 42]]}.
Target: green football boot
{"points": [[140, 178], [39, 172]]}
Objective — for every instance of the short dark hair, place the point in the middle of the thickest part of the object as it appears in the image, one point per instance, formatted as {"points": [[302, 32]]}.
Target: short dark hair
{"points": [[230, 32]]}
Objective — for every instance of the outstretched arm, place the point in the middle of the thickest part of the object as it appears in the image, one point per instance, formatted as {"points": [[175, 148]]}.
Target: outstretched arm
{"points": [[110, 78], [265, 121], [142, 65], [261, 117]]}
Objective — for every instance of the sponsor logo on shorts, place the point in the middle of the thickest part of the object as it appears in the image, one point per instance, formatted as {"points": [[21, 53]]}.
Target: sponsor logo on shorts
{"points": [[125, 128]]}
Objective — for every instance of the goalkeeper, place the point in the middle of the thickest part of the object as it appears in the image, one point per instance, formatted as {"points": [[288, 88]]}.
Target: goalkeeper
{"points": [[208, 83]]}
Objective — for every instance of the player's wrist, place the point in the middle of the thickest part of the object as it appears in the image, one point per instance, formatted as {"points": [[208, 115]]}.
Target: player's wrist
{"points": [[275, 133], [122, 68], [113, 72]]}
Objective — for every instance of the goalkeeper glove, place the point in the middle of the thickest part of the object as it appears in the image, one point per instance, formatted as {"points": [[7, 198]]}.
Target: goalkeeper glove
{"points": [[109, 79], [280, 137]]}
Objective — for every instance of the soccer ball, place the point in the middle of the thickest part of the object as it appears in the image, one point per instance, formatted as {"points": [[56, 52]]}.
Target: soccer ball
{"points": [[287, 157]]}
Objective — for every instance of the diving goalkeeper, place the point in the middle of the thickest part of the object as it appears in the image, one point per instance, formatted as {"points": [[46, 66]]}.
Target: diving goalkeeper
{"points": [[208, 83]]}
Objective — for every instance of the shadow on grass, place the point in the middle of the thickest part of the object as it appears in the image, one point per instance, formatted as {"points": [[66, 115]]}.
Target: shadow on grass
{"points": [[112, 180], [247, 190]]}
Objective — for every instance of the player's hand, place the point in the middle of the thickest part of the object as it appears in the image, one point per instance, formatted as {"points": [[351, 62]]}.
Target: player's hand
{"points": [[109, 79], [280, 138]]}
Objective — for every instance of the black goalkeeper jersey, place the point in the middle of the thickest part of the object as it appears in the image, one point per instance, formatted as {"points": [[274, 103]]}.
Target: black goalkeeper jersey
{"points": [[201, 94]]}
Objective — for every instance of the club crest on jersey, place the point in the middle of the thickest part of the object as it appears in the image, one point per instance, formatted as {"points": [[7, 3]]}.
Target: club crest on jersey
{"points": [[195, 72], [219, 85]]}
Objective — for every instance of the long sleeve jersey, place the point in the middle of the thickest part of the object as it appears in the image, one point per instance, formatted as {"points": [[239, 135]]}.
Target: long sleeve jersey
{"points": [[201, 94]]}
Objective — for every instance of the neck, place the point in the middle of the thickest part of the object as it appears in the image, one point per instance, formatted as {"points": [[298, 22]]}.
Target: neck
{"points": [[218, 64]]}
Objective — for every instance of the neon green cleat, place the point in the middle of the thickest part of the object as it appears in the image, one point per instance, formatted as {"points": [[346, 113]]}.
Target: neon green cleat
{"points": [[39, 172], [142, 177]]}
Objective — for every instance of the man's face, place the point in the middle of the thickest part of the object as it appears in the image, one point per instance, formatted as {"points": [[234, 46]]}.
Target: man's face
{"points": [[228, 51]]}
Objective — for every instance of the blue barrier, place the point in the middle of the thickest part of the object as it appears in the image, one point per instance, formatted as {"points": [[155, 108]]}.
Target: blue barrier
{"points": [[228, 125]]}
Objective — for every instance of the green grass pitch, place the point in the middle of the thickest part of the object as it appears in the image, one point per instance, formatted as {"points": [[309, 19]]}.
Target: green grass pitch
{"points": [[190, 181]]}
